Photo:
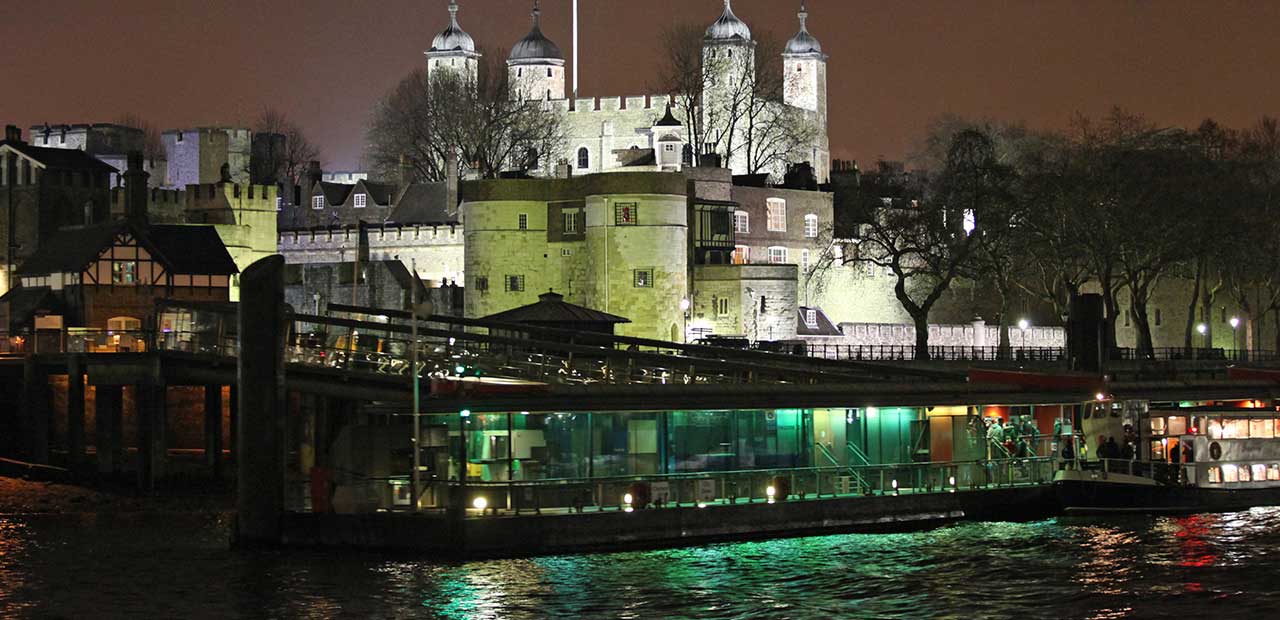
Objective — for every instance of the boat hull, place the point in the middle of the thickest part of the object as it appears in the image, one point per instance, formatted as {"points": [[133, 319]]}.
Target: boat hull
{"points": [[1120, 493]]}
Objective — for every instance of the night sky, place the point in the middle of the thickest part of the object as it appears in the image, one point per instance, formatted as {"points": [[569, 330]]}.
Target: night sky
{"points": [[894, 66]]}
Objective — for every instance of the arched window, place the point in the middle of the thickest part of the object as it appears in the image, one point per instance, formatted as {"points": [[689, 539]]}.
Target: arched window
{"points": [[584, 158]]}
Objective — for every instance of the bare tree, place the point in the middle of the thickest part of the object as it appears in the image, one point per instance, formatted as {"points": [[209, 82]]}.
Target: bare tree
{"points": [[152, 145], [429, 120], [282, 150]]}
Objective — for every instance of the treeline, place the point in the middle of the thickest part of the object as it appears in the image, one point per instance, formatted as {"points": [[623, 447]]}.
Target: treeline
{"points": [[1114, 205]]}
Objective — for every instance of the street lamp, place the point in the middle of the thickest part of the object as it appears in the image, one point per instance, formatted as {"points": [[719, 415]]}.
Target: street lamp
{"points": [[1023, 324], [1235, 322], [684, 312]]}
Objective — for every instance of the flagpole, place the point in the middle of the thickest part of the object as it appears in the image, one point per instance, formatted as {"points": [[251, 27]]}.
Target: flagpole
{"points": [[575, 49], [415, 481]]}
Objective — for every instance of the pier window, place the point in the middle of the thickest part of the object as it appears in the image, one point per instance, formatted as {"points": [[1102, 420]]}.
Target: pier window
{"points": [[777, 215]]}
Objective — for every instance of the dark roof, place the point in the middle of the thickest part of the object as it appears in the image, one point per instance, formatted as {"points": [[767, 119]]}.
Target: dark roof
{"points": [[823, 327], [379, 193], [335, 193], [424, 203], [668, 120], [191, 249], [186, 249], [535, 45], [552, 308], [24, 302], [635, 157], [69, 249], [63, 159]]}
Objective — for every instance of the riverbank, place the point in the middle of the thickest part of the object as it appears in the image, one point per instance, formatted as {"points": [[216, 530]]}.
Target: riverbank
{"points": [[18, 496]]}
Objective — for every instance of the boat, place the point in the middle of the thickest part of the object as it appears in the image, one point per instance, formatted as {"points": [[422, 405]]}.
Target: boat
{"points": [[1168, 458]]}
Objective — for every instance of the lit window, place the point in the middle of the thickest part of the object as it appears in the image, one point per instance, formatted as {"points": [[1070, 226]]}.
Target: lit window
{"points": [[1215, 474], [777, 215], [317, 202], [643, 278], [360, 201], [811, 318], [1243, 473], [1230, 473], [279, 203], [1259, 472], [1273, 472], [124, 272], [811, 226], [513, 284], [1261, 429], [777, 255], [523, 220], [741, 222], [1177, 425], [741, 254]]}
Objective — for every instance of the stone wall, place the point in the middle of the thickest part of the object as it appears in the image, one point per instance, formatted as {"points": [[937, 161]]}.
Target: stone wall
{"points": [[977, 334], [437, 250]]}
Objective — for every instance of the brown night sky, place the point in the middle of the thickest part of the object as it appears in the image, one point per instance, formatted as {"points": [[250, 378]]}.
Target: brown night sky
{"points": [[894, 66]]}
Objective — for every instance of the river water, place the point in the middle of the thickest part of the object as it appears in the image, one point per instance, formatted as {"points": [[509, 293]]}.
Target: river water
{"points": [[153, 566]]}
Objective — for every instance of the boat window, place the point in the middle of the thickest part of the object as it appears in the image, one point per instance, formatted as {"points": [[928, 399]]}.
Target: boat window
{"points": [[1157, 450], [1230, 473], [1262, 429], [1273, 471], [1157, 426], [1215, 474], [1277, 428], [1235, 429], [1244, 473], [1177, 425], [1214, 428], [1259, 471]]}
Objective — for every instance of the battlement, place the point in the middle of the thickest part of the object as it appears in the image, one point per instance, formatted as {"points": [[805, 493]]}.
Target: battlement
{"points": [[386, 234], [616, 104], [155, 196], [214, 203], [237, 133]]}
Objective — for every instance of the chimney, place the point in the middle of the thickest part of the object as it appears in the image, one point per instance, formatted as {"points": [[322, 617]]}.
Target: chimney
{"points": [[451, 184], [406, 171], [135, 190], [309, 180], [12, 133]]}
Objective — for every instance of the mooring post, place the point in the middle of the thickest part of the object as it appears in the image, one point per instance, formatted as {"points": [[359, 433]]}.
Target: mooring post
{"points": [[108, 403], [75, 410], [260, 424], [153, 450], [213, 429], [35, 410]]}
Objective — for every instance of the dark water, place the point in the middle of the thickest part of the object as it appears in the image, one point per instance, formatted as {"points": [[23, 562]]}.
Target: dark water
{"points": [[1208, 566]]}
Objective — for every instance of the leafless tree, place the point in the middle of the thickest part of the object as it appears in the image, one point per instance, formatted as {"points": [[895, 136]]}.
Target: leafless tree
{"points": [[152, 145], [282, 159], [429, 120]]}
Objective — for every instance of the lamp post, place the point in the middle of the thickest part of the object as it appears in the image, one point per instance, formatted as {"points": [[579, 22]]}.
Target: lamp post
{"points": [[1203, 330], [684, 312], [1023, 324], [1235, 323]]}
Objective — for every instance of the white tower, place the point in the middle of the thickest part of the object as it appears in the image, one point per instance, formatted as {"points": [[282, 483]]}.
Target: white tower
{"points": [[729, 57], [805, 87], [536, 67], [453, 49]]}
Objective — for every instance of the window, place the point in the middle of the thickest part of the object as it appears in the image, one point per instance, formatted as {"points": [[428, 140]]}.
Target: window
{"points": [[811, 226], [317, 202], [279, 202], [777, 215], [548, 71], [1261, 429], [570, 219], [1126, 318], [625, 213], [722, 306], [811, 318], [523, 221], [741, 222], [1159, 318], [642, 278], [741, 254], [1273, 472], [777, 255], [1259, 471], [1215, 474], [519, 72], [566, 251], [482, 283], [513, 284], [764, 306], [124, 272], [584, 158], [360, 201], [804, 261], [670, 148]]}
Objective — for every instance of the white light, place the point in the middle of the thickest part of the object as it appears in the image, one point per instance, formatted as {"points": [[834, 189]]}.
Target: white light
{"points": [[1202, 328], [872, 412], [1023, 324], [702, 505], [480, 503], [952, 481], [466, 413], [524, 413], [1099, 396], [895, 484], [1235, 322], [770, 491], [684, 304], [451, 341], [626, 499]]}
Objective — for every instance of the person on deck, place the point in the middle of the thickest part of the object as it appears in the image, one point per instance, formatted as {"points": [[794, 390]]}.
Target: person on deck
{"points": [[995, 436]]}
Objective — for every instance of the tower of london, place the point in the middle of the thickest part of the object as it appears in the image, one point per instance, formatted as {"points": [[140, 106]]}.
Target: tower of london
{"points": [[635, 133]]}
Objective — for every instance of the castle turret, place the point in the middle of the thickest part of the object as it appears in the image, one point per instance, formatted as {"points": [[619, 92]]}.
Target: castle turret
{"points": [[805, 87], [729, 57], [453, 49], [535, 68]]}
